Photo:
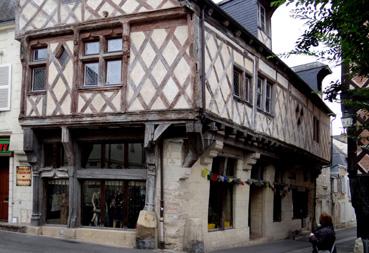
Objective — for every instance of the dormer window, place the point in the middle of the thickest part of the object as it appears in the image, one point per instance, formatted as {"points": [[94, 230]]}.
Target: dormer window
{"points": [[262, 18]]}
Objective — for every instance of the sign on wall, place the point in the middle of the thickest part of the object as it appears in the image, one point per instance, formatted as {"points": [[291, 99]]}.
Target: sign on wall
{"points": [[24, 176], [4, 147]]}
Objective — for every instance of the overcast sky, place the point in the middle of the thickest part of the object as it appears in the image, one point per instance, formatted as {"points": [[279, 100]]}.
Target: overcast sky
{"points": [[285, 31]]}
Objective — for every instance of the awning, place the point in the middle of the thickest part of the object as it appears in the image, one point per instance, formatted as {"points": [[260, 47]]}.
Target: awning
{"points": [[4, 147]]}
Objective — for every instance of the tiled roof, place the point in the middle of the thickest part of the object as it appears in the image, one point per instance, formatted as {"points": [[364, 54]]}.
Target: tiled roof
{"points": [[7, 10]]}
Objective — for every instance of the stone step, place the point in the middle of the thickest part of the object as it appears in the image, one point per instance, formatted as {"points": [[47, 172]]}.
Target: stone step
{"points": [[13, 227]]}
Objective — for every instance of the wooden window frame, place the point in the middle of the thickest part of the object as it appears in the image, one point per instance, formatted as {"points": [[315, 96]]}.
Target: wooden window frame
{"points": [[102, 57], [33, 64], [103, 152], [262, 21], [265, 83], [244, 85]]}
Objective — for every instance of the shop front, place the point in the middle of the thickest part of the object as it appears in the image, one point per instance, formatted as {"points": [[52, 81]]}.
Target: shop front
{"points": [[4, 178]]}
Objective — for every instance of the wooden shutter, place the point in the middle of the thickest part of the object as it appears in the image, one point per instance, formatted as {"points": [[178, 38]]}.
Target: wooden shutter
{"points": [[5, 81]]}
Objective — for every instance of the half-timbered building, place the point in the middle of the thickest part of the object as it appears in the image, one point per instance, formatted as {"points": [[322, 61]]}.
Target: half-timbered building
{"points": [[164, 123]]}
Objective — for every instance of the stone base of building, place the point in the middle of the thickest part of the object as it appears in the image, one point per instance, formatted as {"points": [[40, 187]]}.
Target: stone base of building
{"points": [[126, 239]]}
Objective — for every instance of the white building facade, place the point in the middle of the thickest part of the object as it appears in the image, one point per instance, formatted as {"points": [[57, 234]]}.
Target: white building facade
{"points": [[15, 199]]}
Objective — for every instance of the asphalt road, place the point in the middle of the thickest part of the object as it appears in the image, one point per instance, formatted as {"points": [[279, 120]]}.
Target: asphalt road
{"points": [[23, 243]]}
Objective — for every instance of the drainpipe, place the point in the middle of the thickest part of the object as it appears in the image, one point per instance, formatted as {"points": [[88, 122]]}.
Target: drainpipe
{"points": [[203, 46], [330, 167], [161, 220]]}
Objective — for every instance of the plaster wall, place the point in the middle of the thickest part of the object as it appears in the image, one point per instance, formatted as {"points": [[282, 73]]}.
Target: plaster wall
{"points": [[20, 197], [36, 14], [291, 119]]}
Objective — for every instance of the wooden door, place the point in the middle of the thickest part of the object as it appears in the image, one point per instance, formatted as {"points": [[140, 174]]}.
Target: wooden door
{"points": [[4, 188]]}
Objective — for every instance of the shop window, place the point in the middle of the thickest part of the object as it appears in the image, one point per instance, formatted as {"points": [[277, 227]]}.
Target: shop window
{"points": [[114, 204], [277, 205], [278, 189], [54, 155], [113, 155], [102, 62], [220, 213], [57, 201], [241, 85], [300, 204], [38, 68]]}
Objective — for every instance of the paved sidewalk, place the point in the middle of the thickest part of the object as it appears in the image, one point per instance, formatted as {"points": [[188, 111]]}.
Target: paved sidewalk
{"points": [[345, 244]]}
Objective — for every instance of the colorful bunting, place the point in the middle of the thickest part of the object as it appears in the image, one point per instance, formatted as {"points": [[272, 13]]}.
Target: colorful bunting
{"points": [[282, 188]]}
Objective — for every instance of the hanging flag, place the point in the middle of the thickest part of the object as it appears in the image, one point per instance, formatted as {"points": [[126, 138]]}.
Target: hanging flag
{"points": [[205, 172]]}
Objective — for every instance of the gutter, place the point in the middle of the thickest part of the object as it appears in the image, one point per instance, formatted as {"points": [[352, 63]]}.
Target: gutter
{"points": [[202, 41]]}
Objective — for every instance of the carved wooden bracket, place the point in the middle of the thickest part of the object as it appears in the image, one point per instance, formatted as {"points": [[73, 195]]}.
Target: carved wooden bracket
{"points": [[195, 143], [153, 133], [31, 147], [212, 151], [250, 161]]}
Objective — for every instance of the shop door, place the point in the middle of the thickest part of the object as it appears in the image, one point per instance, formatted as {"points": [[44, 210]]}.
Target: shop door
{"points": [[4, 188]]}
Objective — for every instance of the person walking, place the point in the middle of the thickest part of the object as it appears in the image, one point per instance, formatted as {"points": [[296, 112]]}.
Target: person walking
{"points": [[323, 238]]}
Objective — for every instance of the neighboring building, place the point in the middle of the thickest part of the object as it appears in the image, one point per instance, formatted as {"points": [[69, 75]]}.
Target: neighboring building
{"points": [[15, 200], [356, 122], [164, 123], [342, 210], [333, 188]]}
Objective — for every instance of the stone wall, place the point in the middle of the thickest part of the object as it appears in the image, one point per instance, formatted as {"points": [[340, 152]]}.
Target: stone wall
{"points": [[186, 201]]}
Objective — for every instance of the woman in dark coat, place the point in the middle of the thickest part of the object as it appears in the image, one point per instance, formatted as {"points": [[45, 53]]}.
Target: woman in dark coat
{"points": [[323, 237]]}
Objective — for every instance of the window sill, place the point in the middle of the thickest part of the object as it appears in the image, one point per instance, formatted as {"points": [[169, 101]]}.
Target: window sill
{"points": [[34, 93], [240, 100], [268, 114], [100, 88], [219, 229]]}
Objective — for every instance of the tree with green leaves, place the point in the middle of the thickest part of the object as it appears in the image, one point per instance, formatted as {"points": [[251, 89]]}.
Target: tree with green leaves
{"points": [[342, 27]]}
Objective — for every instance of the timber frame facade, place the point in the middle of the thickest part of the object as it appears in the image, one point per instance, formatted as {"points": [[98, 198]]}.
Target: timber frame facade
{"points": [[358, 153], [173, 112]]}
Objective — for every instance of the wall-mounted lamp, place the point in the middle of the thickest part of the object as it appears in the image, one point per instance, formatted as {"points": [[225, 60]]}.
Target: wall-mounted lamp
{"points": [[347, 120]]}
